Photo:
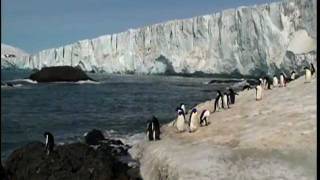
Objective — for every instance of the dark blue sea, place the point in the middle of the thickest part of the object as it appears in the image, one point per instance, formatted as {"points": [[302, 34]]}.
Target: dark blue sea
{"points": [[119, 105]]}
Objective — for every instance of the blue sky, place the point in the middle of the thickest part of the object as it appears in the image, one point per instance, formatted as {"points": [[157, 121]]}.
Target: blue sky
{"points": [[34, 25]]}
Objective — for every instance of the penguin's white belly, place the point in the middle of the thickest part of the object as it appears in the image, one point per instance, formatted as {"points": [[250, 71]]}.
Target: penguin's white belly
{"points": [[194, 124], [275, 82], [180, 123], [293, 76], [259, 93], [220, 103], [308, 75], [225, 101]]}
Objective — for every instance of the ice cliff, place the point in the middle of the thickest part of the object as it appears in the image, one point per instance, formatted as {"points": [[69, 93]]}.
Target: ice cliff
{"points": [[245, 40]]}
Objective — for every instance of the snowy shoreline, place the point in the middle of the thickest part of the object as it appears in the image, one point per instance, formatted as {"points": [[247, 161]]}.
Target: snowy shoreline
{"points": [[269, 139]]}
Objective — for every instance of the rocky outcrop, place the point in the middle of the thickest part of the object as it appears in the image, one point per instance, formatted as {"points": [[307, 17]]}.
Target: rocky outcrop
{"points": [[72, 161], [59, 73], [245, 40]]}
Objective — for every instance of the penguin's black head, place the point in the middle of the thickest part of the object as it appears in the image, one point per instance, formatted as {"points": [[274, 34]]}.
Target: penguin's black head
{"points": [[154, 118], [306, 67], [194, 110], [46, 133], [180, 112]]}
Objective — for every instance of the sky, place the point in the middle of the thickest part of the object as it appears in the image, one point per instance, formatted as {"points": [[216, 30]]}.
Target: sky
{"points": [[34, 25]]}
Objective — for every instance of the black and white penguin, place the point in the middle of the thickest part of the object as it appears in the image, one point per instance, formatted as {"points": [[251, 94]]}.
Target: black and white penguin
{"points": [[293, 76], [179, 109], [149, 130], [49, 142], [232, 96], [226, 101], [193, 120], [275, 81], [258, 92], [312, 69], [183, 107], [282, 80], [218, 103], [267, 82], [307, 74], [153, 129], [203, 118], [179, 123]]}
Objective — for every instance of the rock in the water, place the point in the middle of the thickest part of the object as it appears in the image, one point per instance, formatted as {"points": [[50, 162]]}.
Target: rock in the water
{"points": [[94, 137], [59, 73], [71, 161]]}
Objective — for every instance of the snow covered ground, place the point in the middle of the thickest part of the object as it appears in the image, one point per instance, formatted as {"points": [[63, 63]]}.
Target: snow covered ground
{"points": [[274, 138]]}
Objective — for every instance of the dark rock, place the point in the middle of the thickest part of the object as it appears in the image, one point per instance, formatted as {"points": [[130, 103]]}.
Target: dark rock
{"points": [[70, 161], [59, 73], [94, 137]]}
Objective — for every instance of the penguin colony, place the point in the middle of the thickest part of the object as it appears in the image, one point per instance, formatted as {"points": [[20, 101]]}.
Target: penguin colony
{"points": [[223, 100]]}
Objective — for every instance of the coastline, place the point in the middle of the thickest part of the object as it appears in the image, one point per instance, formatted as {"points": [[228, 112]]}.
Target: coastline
{"points": [[268, 139]]}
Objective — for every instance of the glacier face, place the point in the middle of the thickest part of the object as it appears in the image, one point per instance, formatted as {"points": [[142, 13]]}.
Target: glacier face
{"points": [[245, 40]]}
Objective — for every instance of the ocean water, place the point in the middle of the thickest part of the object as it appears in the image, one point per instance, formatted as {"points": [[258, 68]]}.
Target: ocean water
{"points": [[119, 105]]}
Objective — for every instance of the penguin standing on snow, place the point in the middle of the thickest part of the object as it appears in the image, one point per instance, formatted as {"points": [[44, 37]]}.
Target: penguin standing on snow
{"points": [[153, 129], [226, 101], [232, 96], [49, 142], [218, 103], [179, 123], [267, 82], [183, 107], [258, 92], [203, 118], [307, 74], [193, 121], [312, 69], [275, 82], [282, 80], [293, 76]]}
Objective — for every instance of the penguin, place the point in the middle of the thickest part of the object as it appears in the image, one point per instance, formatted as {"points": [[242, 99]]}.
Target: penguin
{"points": [[155, 128], [179, 109], [275, 82], [193, 120], [183, 107], [232, 96], [293, 75], [307, 74], [203, 118], [264, 82], [268, 82], [258, 92], [282, 80], [226, 101], [180, 121], [312, 69], [218, 103], [149, 130], [49, 142]]}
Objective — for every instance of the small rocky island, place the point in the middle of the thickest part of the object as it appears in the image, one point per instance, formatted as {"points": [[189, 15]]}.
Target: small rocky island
{"points": [[95, 158], [60, 73]]}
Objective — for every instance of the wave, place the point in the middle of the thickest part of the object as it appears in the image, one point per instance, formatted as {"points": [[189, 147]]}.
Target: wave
{"points": [[88, 82], [12, 86], [24, 80]]}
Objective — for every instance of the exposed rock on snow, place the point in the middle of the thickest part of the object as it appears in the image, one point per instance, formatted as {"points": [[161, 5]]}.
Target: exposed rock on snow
{"points": [[246, 40]]}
